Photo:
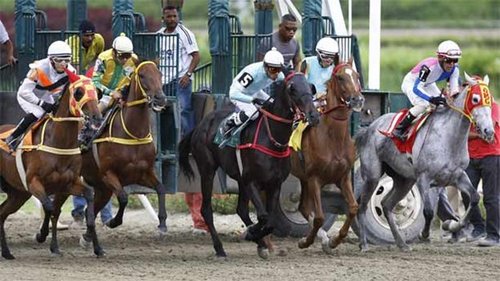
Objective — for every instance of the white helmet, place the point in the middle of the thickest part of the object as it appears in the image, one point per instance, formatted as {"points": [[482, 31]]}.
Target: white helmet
{"points": [[59, 49], [327, 46], [449, 49], [274, 58], [123, 44]]}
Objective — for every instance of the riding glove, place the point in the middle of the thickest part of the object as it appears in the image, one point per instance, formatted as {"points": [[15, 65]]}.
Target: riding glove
{"points": [[261, 102], [47, 107], [437, 100]]}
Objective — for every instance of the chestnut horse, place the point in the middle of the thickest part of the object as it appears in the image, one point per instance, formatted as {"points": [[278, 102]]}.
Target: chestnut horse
{"points": [[51, 165], [124, 153], [264, 157], [327, 154]]}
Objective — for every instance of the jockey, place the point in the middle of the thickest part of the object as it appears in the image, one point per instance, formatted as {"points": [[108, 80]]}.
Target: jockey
{"points": [[318, 69], [420, 83], [45, 78], [247, 88], [113, 69]]}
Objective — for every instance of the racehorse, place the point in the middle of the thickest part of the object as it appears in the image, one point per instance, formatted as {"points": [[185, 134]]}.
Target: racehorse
{"points": [[317, 164], [263, 157], [124, 153], [51, 165], [439, 156]]}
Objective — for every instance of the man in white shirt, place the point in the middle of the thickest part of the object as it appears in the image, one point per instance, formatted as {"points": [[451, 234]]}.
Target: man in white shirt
{"points": [[5, 41]]}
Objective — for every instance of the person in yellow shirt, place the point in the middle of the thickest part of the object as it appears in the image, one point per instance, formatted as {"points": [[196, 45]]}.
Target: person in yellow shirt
{"points": [[113, 69], [86, 47]]}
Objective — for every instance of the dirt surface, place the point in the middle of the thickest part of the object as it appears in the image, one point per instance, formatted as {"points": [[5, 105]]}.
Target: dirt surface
{"points": [[135, 252]]}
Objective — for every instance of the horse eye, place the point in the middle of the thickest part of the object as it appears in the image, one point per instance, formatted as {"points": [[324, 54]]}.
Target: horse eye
{"points": [[78, 94], [476, 98]]}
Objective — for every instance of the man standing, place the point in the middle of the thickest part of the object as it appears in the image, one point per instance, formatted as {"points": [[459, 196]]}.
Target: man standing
{"points": [[189, 57], [5, 41], [284, 42], [89, 44]]}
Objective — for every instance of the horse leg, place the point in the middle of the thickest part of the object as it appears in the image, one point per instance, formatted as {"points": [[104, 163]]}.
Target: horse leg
{"points": [[80, 189], [430, 200], [15, 199], [242, 207], [207, 176], [463, 184], [311, 196], [151, 179], [111, 180], [254, 232], [347, 192], [59, 200], [400, 189], [367, 189], [36, 188]]}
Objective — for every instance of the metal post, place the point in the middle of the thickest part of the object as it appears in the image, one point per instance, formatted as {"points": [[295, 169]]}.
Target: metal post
{"points": [[220, 45], [263, 16], [123, 18], [75, 13], [25, 34]]}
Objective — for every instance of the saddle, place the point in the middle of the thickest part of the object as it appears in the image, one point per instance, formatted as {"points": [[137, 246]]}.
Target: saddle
{"points": [[405, 146], [232, 137], [26, 139]]}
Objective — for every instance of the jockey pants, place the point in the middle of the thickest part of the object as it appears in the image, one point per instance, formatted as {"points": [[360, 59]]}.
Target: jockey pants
{"points": [[419, 104]]}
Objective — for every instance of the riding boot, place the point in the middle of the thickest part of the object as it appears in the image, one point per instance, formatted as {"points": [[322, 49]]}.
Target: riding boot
{"points": [[12, 140], [236, 119], [400, 130]]}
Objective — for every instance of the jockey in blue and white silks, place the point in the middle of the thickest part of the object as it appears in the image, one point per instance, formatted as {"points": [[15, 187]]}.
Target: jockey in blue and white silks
{"points": [[420, 83], [318, 69], [247, 88]]}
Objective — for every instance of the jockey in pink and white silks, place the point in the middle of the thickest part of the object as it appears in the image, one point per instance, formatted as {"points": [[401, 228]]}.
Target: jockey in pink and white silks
{"points": [[420, 83], [247, 88], [45, 78]]}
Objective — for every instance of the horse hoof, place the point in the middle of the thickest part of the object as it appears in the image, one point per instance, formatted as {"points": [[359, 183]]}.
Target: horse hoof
{"points": [[363, 248], [263, 253], [8, 256], [39, 238], [56, 254], [451, 225], [162, 231], [113, 223], [100, 253], [424, 238], [326, 248], [405, 248], [303, 243], [84, 243]]}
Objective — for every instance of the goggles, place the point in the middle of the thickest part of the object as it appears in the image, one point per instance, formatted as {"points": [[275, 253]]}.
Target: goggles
{"points": [[450, 60], [123, 56], [62, 60], [273, 70], [327, 58]]}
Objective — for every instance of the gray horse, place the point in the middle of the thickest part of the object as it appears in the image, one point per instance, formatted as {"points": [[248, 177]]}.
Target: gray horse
{"points": [[439, 156]]}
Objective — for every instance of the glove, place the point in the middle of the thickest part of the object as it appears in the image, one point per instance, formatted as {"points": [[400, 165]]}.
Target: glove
{"points": [[437, 100], [261, 102], [47, 107]]}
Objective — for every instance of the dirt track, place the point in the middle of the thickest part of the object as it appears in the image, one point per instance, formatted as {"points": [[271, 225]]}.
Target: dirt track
{"points": [[134, 252]]}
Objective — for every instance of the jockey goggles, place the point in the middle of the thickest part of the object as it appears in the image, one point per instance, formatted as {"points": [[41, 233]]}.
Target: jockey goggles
{"points": [[327, 58], [273, 70], [450, 60], [123, 56], [61, 60]]}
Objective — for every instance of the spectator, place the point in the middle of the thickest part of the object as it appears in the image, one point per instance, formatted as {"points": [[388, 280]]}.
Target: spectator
{"points": [[189, 57], [87, 46], [284, 42], [485, 165], [5, 41]]}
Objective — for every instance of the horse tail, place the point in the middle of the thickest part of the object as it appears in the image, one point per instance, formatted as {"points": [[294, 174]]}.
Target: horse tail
{"points": [[361, 138], [184, 150]]}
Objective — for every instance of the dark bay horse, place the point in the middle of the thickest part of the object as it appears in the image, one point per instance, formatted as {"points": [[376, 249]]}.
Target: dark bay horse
{"points": [[124, 153], [328, 153], [263, 168], [439, 156], [51, 165]]}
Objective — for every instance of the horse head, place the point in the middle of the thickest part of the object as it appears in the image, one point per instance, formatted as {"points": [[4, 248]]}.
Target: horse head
{"points": [[300, 93], [477, 105], [146, 81], [345, 87], [83, 102]]}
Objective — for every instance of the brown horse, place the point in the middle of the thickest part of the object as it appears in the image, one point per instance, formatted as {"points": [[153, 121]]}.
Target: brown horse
{"points": [[328, 153], [124, 153], [51, 165]]}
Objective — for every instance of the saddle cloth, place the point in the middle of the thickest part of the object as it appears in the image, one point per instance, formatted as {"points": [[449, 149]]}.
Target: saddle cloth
{"points": [[296, 137], [234, 140], [28, 138], [405, 146]]}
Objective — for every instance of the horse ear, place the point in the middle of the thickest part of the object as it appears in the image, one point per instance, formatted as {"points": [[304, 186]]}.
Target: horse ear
{"points": [[469, 79], [350, 61], [486, 80]]}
